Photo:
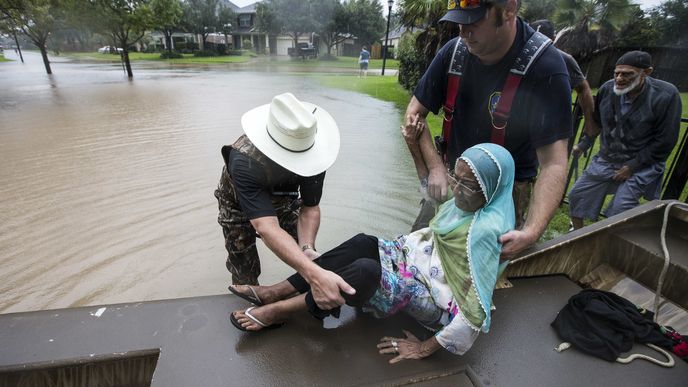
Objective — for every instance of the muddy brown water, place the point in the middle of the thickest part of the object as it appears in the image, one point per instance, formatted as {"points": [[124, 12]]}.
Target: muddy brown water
{"points": [[106, 185]]}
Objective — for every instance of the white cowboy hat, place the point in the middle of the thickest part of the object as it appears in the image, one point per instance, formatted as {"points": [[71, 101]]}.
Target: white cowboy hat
{"points": [[300, 136]]}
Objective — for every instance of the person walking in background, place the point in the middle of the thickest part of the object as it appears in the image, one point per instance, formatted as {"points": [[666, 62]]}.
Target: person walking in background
{"points": [[577, 80], [639, 118], [486, 97], [271, 186], [363, 59]]}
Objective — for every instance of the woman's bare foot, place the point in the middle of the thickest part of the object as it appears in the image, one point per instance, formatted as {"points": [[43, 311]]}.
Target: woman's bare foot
{"points": [[257, 318], [268, 316]]}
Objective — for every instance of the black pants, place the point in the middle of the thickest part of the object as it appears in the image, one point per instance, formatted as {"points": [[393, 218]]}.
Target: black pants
{"points": [[357, 261]]}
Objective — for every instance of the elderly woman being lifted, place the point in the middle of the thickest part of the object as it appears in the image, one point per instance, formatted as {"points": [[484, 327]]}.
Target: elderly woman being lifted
{"points": [[443, 275]]}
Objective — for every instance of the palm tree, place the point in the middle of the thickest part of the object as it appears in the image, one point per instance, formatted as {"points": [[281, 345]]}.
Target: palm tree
{"points": [[425, 15], [591, 24]]}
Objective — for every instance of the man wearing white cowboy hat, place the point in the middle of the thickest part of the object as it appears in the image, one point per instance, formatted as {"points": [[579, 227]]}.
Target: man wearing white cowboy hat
{"points": [[271, 186]]}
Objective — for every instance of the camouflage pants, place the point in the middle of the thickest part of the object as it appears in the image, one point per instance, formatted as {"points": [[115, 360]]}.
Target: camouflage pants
{"points": [[521, 195], [240, 236]]}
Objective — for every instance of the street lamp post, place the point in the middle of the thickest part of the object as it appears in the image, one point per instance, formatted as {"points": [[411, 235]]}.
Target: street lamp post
{"points": [[384, 49], [227, 29]]}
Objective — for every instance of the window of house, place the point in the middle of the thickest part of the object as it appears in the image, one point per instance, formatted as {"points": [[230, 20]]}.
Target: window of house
{"points": [[245, 20]]}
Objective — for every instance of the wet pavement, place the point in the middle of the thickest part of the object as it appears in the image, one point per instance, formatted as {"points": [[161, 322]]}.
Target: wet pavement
{"points": [[107, 184]]}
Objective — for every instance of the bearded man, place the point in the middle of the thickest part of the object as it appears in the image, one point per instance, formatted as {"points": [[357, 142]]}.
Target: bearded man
{"points": [[639, 118]]}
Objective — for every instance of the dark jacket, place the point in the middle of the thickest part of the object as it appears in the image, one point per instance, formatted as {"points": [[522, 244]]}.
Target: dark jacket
{"points": [[647, 133]]}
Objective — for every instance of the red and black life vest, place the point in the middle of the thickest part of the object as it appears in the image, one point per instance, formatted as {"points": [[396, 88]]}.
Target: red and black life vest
{"points": [[536, 44]]}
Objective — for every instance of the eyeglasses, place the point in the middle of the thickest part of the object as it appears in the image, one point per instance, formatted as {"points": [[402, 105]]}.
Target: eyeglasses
{"points": [[455, 182]]}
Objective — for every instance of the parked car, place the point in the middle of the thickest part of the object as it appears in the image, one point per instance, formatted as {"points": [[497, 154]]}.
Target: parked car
{"points": [[304, 50], [109, 49]]}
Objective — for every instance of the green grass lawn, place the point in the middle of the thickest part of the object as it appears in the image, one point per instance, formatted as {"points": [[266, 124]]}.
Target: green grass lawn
{"points": [[3, 59], [388, 89], [344, 63], [138, 56]]}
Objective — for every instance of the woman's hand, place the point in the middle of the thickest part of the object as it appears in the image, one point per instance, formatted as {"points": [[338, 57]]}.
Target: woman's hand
{"points": [[408, 348], [413, 127]]}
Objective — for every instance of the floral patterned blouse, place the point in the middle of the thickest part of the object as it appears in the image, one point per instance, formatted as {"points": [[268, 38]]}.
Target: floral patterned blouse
{"points": [[413, 281]]}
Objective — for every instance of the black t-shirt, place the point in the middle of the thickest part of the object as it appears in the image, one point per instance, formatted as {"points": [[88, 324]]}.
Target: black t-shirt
{"points": [[254, 189], [576, 76], [540, 114]]}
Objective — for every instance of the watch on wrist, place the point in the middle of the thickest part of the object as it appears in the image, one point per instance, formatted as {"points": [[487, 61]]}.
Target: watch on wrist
{"points": [[307, 246]]}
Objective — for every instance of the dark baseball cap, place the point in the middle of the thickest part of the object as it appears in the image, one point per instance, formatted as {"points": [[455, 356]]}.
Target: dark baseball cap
{"points": [[639, 59], [467, 11]]}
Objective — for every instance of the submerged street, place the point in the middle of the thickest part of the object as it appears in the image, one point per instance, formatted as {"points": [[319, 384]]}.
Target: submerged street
{"points": [[107, 184]]}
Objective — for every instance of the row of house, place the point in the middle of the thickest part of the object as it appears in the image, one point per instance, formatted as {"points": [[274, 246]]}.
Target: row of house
{"points": [[244, 31]]}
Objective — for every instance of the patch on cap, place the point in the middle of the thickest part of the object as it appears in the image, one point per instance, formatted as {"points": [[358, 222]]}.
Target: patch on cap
{"points": [[469, 4]]}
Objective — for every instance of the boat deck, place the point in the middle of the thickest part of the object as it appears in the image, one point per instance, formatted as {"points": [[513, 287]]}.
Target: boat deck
{"points": [[198, 346]]}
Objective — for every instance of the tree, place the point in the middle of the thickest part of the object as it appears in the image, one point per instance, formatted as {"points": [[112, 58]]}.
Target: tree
{"points": [[638, 32], [368, 24], [294, 17], [77, 29], [125, 21], [411, 62], [268, 23], [593, 24], [333, 23], [425, 15], [167, 15], [538, 10], [203, 17], [670, 19], [36, 19], [8, 27]]}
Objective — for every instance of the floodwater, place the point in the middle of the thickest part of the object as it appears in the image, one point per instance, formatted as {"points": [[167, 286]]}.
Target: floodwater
{"points": [[106, 184]]}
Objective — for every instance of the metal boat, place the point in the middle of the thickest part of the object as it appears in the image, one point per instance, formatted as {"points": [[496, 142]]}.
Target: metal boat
{"points": [[190, 341]]}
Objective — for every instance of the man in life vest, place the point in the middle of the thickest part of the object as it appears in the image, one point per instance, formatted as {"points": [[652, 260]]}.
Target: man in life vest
{"points": [[499, 81]]}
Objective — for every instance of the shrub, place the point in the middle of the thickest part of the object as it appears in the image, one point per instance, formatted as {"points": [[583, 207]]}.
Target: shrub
{"points": [[411, 63], [205, 53], [246, 44], [171, 55]]}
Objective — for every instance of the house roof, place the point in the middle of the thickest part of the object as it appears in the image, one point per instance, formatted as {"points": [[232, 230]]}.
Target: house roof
{"points": [[251, 8], [397, 33]]}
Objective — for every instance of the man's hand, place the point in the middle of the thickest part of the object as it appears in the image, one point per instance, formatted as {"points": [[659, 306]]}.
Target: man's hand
{"points": [[437, 184], [622, 174], [326, 286], [311, 254], [515, 241], [413, 126]]}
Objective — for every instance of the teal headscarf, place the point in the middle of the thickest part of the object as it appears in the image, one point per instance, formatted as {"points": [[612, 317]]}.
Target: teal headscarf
{"points": [[494, 168]]}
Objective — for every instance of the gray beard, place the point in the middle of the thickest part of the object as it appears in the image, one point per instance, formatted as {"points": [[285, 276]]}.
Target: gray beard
{"points": [[627, 89]]}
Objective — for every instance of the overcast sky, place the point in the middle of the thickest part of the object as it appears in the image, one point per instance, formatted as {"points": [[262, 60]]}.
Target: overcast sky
{"points": [[645, 4]]}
